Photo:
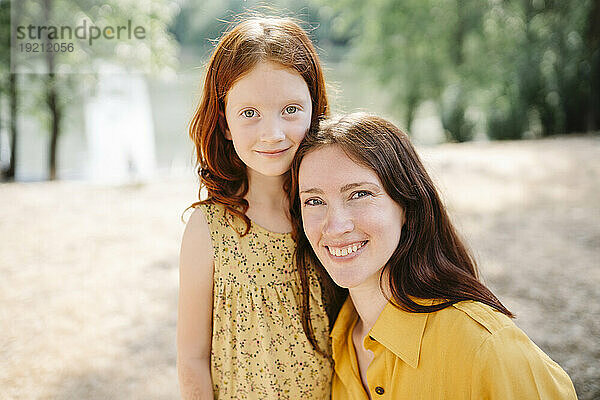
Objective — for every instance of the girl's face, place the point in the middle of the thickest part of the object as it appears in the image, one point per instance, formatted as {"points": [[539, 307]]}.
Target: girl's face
{"points": [[352, 224], [268, 112]]}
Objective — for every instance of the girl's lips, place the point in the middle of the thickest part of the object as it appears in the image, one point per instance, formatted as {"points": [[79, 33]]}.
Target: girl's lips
{"points": [[345, 254], [272, 153]]}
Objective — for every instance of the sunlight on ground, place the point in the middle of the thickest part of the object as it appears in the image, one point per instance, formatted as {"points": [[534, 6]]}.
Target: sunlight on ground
{"points": [[89, 273]]}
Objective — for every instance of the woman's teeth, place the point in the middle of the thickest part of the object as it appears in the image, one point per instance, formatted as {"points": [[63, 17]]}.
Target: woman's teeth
{"points": [[344, 251]]}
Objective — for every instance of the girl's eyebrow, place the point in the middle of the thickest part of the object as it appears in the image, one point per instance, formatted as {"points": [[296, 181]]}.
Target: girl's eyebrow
{"points": [[344, 188], [259, 101]]}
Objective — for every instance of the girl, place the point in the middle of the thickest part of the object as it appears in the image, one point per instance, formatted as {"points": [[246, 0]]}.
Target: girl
{"points": [[239, 331], [417, 324]]}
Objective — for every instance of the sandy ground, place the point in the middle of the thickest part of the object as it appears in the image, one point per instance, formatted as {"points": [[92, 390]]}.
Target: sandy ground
{"points": [[88, 274]]}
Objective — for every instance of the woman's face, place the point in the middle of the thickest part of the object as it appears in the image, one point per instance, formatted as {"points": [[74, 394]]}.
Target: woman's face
{"points": [[352, 224]]}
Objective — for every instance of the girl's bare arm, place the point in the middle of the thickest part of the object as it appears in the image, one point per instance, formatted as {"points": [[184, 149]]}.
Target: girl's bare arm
{"points": [[194, 316]]}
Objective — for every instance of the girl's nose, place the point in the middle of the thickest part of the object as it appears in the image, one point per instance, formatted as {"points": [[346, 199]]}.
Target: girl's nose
{"points": [[272, 131], [338, 222]]}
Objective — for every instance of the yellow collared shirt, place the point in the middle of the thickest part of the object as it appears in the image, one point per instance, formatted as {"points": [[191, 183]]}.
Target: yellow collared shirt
{"points": [[466, 351]]}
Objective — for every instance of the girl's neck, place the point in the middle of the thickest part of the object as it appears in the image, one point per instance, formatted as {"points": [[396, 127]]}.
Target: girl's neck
{"points": [[268, 203], [266, 191]]}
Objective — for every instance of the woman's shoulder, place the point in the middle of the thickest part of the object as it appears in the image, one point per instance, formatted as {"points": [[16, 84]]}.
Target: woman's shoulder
{"points": [[498, 352], [483, 316], [494, 328], [478, 326], [469, 322], [506, 362]]}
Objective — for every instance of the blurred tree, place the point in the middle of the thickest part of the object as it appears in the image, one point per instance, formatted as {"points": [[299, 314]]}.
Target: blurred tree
{"points": [[200, 24], [547, 67], [4, 66], [528, 65], [54, 106], [465, 23], [8, 81], [593, 55], [403, 43], [61, 87], [513, 75]]}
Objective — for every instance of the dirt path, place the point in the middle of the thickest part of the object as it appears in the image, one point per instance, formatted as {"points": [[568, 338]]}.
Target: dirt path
{"points": [[88, 281]]}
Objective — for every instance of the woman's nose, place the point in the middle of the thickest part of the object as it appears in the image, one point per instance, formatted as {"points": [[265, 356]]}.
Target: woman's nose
{"points": [[338, 222]]}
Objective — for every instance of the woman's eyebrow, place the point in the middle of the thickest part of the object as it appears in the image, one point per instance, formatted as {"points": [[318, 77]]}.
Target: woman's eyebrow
{"points": [[357, 184], [312, 190], [344, 188]]}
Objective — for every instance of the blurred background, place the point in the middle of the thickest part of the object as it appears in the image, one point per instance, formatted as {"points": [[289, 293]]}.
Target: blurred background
{"points": [[502, 99]]}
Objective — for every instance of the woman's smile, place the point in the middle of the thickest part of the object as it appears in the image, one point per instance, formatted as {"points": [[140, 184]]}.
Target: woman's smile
{"points": [[345, 252]]}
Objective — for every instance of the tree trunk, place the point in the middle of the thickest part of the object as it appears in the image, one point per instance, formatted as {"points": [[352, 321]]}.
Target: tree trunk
{"points": [[412, 102], [13, 101], [52, 100], [16, 8]]}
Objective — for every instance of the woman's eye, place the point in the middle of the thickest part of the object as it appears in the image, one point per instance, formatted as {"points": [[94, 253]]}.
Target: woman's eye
{"points": [[313, 202], [291, 109], [360, 193], [249, 113]]}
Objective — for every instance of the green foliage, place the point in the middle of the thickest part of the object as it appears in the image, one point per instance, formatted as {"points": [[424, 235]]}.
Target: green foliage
{"points": [[511, 60], [458, 127], [199, 25], [56, 81], [155, 53], [506, 120], [4, 40]]}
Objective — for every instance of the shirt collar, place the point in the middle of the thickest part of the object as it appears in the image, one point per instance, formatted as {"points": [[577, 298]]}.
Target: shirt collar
{"points": [[399, 331]]}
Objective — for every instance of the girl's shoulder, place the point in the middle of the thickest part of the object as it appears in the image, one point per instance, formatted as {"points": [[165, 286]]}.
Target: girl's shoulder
{"points": [[210, 209], [212, 213]]}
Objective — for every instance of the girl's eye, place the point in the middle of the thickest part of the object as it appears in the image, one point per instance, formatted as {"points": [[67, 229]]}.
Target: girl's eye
{"points": [[360, 193], [249, 113], [313, 202], [291, 109]]}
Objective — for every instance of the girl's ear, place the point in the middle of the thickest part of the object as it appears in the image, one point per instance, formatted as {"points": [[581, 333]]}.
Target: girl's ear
{"points": [[223, 125]]}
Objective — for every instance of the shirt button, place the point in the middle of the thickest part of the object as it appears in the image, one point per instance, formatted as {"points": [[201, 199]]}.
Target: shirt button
{"points": [[379, 390]]}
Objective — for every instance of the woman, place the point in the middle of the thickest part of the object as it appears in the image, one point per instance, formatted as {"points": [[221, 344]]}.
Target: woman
{"points": [[417, 324]]}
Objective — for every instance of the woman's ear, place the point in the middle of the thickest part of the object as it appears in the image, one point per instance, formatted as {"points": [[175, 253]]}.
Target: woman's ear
{"points": [[223, 125]]}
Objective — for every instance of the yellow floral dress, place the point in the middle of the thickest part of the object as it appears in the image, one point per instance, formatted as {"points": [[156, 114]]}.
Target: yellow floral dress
{"points": [[259, 349]]}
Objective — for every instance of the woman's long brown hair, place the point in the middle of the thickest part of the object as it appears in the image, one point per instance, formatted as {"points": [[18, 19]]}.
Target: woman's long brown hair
{"points": [[257, 39], [430, 261]]}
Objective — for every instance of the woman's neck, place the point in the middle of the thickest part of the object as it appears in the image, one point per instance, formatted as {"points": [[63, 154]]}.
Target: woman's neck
{"points": [[369, 301]]}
